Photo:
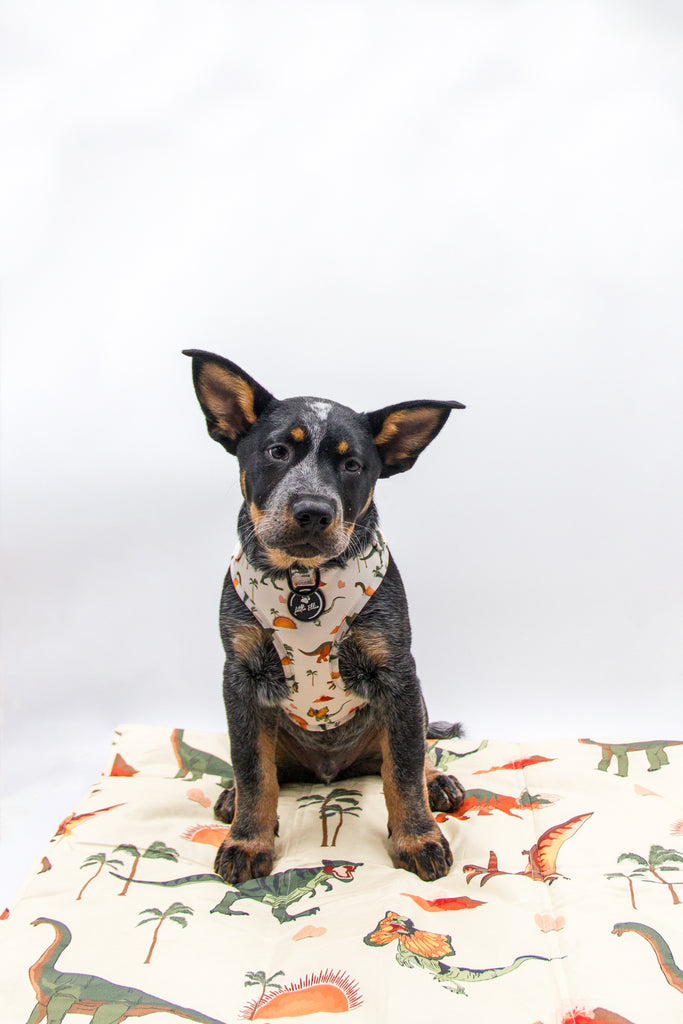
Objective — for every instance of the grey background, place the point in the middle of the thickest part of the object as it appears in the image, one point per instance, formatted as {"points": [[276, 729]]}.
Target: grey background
{"points": [[363, 201]]}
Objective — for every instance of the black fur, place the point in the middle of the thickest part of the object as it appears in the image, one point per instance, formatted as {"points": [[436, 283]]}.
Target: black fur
{"points": [[324, 458]]}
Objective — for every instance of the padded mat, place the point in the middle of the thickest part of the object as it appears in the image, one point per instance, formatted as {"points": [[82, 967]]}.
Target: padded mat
{"points": [[563, 904]]}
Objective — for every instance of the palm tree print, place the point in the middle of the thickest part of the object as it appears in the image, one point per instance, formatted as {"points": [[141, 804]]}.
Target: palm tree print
{"points": [[176, 912], [657, 861], [629, 879], [101, 860], [259, 978], [157, 851], [337, 803]]}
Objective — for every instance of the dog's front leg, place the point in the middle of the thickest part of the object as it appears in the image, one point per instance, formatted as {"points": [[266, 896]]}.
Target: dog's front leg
{"points": [[247, 852], [418, 841]]}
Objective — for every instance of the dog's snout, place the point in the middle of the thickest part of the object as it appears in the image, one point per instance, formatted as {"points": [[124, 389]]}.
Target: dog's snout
{"points": [[312, 513]]}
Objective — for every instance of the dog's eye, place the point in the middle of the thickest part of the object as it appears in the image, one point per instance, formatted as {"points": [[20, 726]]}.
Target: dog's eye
{"points": [[352, 466], [279, 452]]}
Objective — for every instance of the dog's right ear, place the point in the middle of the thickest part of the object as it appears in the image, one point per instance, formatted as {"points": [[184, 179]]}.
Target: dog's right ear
{"points": [[231, 400]]}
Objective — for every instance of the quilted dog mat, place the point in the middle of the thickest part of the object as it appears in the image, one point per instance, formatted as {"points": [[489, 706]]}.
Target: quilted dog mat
{"points": [[563, 905]]}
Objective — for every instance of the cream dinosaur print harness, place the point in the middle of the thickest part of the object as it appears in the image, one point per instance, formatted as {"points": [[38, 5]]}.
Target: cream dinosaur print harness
{"points": [[306, 616]]}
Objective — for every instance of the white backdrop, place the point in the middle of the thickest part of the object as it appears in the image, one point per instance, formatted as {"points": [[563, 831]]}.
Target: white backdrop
{"points": [[363, 201]]}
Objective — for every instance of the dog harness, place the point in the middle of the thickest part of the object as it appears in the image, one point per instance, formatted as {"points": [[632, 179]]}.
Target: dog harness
{"points": [[306, 616]]}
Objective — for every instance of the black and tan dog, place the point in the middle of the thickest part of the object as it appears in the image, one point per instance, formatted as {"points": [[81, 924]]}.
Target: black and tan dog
{"points": [[309, 540]]}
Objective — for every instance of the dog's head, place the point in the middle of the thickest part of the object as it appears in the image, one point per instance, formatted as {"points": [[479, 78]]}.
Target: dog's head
{"points": [[308, 466]]}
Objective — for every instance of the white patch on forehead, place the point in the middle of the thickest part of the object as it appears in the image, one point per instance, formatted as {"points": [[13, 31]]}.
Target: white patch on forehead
{"points": [[321, 409]]}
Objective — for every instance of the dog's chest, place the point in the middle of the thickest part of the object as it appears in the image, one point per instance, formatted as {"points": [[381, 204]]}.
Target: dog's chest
{"points": [[306, 627]]}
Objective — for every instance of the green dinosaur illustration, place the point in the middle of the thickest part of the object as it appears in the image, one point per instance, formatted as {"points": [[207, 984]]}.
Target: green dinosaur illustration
{"points": [[172, 883], [281, 890], [665, 959], [441, 757], [654, 751], [197, 763], [59, 993], [416, 948]]}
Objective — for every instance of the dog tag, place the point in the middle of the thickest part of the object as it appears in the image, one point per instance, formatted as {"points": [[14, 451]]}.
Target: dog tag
{"points": [[306, 601]]}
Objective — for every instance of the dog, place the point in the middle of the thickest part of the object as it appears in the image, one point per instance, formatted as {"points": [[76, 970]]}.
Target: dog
{"points": [[319, 682]]}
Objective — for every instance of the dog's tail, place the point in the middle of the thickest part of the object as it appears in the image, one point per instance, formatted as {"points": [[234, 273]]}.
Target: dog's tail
{"points": [[444, 730]]}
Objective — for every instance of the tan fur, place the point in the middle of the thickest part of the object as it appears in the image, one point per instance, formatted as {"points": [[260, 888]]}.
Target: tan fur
{"points": [[255, 514], [266, 806], [221, 389], [409, 430], [246, 639], [367, 504], [373, 645], [281, 560], [342, 447], [398, 808], [298, 433]]}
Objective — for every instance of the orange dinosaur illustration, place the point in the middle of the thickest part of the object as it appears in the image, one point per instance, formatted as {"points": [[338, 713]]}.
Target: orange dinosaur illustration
{"points": [[483, 801], [542, 857], [322, 652], [523, 762], [120, 767], [73, 820], [445, 903]]}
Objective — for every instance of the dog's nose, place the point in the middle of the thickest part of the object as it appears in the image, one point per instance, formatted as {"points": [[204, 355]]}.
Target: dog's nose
{"points": [[313, 513]]}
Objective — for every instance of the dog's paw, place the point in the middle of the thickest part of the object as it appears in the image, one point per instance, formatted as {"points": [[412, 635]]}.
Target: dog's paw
{"points": [[239, 861], [445, 793], [428, 856], [224, 808]]}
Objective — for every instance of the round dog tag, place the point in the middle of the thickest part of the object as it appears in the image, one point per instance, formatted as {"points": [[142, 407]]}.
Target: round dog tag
{"points": [[307, 605], [305, 602]]}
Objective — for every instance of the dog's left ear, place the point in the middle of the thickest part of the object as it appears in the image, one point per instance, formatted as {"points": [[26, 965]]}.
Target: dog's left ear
{"points": [[402, 432], [231, 400]]}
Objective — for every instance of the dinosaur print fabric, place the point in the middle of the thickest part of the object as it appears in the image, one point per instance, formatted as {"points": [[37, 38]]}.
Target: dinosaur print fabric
{"points": [[317, 699], [564, 904]]}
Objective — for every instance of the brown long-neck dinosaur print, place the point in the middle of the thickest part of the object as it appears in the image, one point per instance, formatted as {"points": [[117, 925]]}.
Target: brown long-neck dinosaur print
{"points": [[665, 958], [60, 993]]}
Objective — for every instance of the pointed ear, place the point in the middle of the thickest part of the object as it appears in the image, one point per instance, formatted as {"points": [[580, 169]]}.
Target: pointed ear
{"points": [[402, 432], [231, 400]]}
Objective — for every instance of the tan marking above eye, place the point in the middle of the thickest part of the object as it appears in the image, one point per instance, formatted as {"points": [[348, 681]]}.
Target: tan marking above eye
{"points": [[342, 447], [298, 433]]}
